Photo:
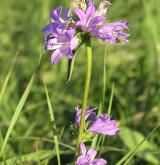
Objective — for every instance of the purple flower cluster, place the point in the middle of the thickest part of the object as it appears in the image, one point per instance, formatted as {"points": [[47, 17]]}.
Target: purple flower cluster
{"points": [[99, 125], [61, 34]]}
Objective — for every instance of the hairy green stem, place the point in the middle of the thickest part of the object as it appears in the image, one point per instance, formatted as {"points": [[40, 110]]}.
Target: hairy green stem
{"points": [[86, 91]]}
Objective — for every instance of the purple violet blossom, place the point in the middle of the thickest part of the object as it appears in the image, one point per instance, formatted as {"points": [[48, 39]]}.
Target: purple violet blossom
{"points": [[62, 44], [91, 21], [110, 32], [59, 38], [104, 125], [100, 125], [88, 158], [89, 113]]}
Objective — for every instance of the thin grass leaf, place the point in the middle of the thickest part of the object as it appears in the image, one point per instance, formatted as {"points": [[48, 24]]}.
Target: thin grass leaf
{"points": [[54, 126], [19, 108], [111, 100], [17, 113], [109, 113], [1, 141], [70, 68], [4, 86], [95, 142], [42, 139], [131, 153], [34, 157]]}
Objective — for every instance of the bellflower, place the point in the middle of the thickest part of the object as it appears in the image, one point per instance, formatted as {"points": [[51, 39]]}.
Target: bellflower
{"points": [[88, 158], [91, 21], [62, 45], [104, 125], [60, 38], [89, 113], [100, 125], [111, 32]]}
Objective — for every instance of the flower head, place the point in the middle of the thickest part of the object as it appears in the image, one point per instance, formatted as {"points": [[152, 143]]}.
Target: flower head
{"points": [[110, 32], [60, 38], [89, 113], [104, 125], [62, 45], [100, 125], [88, 158], [92, 21]]}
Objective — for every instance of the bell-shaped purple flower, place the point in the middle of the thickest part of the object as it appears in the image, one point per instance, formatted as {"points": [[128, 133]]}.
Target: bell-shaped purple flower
{"points": [[62, 45], [88, 158], [104, 125], [89, 113], [87, 19], [100, 125], [91, 21], [111, 32]]}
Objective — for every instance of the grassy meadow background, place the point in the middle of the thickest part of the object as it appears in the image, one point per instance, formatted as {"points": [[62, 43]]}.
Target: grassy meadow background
{"points": [[133, 68]]}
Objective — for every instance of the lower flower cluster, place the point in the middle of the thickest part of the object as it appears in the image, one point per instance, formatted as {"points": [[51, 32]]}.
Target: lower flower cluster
{"points": [[95, 125]]}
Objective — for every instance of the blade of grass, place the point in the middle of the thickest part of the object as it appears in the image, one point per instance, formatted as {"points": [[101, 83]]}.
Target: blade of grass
{"points": [[109, 113], [42, 139], [131, 153], [4, 86], [53, 125], [1, 141], [19, 108], [101, 106], [111, 100], [70, 68], [34, 157]]}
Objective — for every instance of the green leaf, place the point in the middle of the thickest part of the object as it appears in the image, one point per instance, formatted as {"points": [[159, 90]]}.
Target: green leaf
{"points": [[138, 145], [19, 108], [6, 80], [17, 113], [70, 68], [33, 157], [55, 138]]}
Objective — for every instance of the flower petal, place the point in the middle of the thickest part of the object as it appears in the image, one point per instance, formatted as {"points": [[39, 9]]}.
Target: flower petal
{"points": [[56, 55], [90, 12], [103, 125], [74, 43], [67, 13], [55, 14], [80, 13], [83, 148], [99, 162], [91, 153]]}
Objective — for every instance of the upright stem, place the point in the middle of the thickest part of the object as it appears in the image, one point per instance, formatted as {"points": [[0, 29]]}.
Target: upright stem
{"points": [[86, 91]]}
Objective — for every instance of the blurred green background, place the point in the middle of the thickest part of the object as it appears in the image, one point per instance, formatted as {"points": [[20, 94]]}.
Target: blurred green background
{"points": [[134, 68]]}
